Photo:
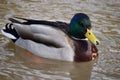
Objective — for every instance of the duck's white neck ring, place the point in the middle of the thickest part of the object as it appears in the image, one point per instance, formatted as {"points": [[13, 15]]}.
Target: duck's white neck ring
{"points": [[79, 39]]}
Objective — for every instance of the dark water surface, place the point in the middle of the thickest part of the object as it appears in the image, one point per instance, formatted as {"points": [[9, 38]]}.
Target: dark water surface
{"points": [[105, 17]]}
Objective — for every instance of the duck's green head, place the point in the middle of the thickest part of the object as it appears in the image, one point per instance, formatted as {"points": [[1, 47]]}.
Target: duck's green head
{"points": [[80, 28]]}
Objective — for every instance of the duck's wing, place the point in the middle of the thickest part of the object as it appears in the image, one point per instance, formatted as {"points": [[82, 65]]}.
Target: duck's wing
{"points": [[55, 24], [46, 32]]}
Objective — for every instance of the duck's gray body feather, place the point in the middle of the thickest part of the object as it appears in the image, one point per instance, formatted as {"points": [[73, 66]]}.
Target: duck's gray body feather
{"points": [[45, 41]]}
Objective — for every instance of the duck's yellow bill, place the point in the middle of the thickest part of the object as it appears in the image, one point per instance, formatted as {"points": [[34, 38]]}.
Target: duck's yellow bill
{"points": [[91, 37]]}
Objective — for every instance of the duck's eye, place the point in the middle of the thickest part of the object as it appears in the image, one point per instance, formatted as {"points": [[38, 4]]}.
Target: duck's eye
{"points": [[82, 24], [89, 33]]}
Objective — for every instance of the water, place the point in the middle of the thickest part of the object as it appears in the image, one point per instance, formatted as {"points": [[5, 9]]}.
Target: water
{"points": [[105, 17]]}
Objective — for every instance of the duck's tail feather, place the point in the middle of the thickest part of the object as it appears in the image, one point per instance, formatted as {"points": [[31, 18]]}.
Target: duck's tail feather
{"points": [[24, 21], [17, 20], [22, 18], [9, 31], [14, 20]]}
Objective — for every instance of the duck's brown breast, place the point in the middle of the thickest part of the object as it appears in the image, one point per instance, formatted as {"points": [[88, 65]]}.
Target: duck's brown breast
{"points": [[85, 51]]}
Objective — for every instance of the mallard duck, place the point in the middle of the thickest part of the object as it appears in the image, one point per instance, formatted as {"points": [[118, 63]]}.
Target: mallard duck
{"points": [[55, 39]]}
